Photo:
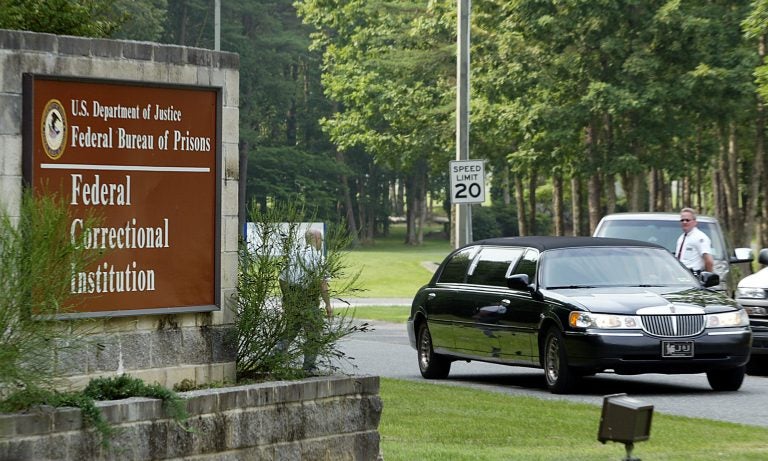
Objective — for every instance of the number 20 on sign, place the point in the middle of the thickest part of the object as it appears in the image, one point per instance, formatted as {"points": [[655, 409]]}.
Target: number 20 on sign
{"points": [[467, 181]]}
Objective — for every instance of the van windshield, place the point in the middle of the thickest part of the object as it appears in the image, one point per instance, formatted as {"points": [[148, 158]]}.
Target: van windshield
{"points": [[664, 233]]}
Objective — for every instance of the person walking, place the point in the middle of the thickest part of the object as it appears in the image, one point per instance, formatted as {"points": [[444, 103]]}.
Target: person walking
{"points": [[303, 284], [694, 248]]}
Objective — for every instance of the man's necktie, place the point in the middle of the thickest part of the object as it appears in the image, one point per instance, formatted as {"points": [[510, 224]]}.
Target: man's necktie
{"points": [[682, 244]]}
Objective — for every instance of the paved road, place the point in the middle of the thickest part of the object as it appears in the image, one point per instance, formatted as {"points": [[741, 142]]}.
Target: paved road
{"points": [[386, 352]]}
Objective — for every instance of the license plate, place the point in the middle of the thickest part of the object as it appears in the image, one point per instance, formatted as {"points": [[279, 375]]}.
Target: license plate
{"points": [[677, 348]]}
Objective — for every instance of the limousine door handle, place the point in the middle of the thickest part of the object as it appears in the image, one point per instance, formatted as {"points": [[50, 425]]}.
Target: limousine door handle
{"points": [[505, 302]]}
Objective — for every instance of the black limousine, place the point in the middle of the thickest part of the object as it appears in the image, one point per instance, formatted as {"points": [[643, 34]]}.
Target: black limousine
{"points": [[576, 306]]}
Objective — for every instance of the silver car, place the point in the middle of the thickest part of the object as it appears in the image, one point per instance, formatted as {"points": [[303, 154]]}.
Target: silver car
{"points": [[752, 293], [664, 229]]}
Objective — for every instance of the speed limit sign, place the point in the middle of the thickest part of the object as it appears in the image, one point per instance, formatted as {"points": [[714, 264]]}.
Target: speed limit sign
{"points": [[467, 181]]}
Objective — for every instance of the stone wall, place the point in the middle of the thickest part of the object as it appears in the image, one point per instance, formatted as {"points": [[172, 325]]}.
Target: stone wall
{"points": [[157, 348], [332, 418]]}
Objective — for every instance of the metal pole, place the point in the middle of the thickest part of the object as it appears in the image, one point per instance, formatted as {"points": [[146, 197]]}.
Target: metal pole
{"points": [[463, 224], [217, 26]]}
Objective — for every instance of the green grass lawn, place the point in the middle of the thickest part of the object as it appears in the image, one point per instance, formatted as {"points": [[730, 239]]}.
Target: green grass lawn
{"points": [[425, 421], [391, 269]]}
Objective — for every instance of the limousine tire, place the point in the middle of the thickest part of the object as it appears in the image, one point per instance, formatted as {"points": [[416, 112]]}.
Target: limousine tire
{"points": [[726, 380], [431, 365], [560, 378]]}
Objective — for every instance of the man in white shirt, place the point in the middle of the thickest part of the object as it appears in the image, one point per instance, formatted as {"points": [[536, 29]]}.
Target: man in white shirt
{"points": [[694, 248], [303, 284]]}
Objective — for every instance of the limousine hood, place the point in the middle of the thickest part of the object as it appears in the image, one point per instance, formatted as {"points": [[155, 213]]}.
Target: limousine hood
{"points": [[630, 300]]}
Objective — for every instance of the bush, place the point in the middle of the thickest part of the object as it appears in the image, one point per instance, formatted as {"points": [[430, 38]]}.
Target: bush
{"points": [[37, 258], [262, 325], [506, 216], [484, 223]]}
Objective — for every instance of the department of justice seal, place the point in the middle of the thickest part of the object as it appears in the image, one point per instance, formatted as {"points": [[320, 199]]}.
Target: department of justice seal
{"points": [[53, 129]]}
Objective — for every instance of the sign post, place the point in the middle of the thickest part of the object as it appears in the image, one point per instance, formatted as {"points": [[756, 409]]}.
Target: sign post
{"points": [[462, 213]]}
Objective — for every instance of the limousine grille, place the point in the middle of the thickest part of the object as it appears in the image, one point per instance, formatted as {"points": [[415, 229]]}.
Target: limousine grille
{"points": [[673, 326]]}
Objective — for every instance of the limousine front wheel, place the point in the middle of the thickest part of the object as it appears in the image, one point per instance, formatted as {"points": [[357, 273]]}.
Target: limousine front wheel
{"points": [[560, 377], [726, 380], [431, 365]]}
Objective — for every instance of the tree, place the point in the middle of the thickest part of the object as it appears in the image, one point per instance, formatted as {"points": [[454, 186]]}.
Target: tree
{"points": [[390, 66], [87, 18], [756, 28], [140, 19]]}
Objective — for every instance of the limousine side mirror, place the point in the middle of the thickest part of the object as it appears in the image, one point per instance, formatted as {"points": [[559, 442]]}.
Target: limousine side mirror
{"points": [[519, 282], [709, 279]]}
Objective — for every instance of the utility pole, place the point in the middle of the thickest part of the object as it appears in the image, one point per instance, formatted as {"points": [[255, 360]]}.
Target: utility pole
{"points": [[463, 212], [217, 26]]}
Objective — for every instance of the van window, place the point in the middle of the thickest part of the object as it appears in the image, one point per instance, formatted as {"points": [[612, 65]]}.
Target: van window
{"points": [[664, 233]]}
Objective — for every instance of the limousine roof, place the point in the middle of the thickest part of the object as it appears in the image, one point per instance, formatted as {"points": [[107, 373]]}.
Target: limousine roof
{"points": [[543, 243]]}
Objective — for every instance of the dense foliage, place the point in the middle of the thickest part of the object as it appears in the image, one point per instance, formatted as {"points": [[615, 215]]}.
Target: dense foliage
{"points": [[36, 255], [581, 108], [90, 18]]}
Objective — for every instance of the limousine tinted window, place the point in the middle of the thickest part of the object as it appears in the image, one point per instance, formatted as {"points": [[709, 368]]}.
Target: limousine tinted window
{"points": [[493, 265], [455, 269], [527, 265]]}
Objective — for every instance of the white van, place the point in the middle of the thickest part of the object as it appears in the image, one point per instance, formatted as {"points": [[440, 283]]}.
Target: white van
{"points": [[664, 229]]}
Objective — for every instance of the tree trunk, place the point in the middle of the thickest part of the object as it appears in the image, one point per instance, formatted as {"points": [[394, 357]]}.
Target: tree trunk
{"points": [[610, 194], [609, 179], [756, 182], [349, 207], [533, 176], [666, 196], [764, 224], [291, 122], [593, 200], [422, 200], [735, 220], [652, 185], [522, 222], [410, 210], [593, 190], [362, 213], [416, 197], [633, 187], [685, 192], [717, 210], [507, 195], [576, 204], [557, 203]]}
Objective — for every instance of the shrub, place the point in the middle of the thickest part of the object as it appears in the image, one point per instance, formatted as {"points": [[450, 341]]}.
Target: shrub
{"points": [[484, 223], [37, 258], [261, 322]]}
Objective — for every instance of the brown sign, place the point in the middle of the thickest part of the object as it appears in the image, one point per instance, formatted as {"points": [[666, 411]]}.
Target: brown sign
{"points": [[145, 159]]}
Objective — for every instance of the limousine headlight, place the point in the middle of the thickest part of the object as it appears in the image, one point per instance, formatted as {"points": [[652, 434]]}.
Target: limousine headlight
{"points": [[737, 318], [607, 321]]}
